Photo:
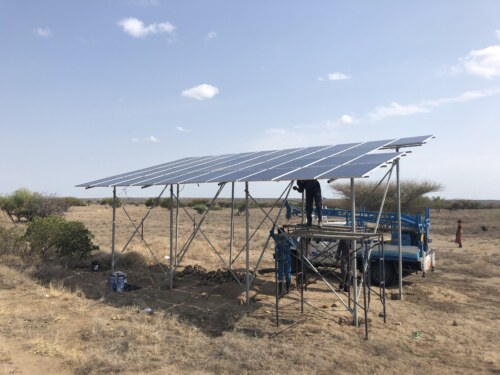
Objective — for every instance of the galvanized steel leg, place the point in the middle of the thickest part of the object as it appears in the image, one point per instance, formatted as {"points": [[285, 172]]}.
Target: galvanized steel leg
{"points": [[176, 226], [231, 236], [247, 235], [113, 231], [171, 267], [400, 240], [354, 258]]}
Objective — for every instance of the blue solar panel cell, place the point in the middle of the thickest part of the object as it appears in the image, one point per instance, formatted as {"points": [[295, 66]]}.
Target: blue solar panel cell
{"points": [[269, 174], [307, 173], [351, 171]]}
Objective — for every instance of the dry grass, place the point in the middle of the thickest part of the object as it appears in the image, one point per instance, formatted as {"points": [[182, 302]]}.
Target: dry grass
{"points": [[64, 312]]}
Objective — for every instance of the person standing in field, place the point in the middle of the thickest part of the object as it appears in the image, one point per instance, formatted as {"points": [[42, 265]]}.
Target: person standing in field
{"points": [[458, 236], [313, 193]]}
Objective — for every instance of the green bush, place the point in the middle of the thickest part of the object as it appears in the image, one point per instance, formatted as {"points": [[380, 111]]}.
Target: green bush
{"points": [[166, 203], [198, 202], [200, 208], [54, 236], [74, 202], [23, 205], [109, 202], [151, 202], [163, 202]]}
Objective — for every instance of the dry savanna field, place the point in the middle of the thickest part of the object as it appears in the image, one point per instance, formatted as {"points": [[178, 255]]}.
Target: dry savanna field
{"points": [[59, 317]]}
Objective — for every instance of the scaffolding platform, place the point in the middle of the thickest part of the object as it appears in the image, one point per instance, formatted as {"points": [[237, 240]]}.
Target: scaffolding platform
{"points": [[334, 255]]}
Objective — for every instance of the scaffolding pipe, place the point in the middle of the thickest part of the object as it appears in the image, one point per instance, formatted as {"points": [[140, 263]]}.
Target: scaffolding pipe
{"points": [[113, 231], [354, 247]]}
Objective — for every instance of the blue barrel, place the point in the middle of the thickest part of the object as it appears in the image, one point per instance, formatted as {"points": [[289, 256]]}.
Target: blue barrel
{"points": [[117, 281]]}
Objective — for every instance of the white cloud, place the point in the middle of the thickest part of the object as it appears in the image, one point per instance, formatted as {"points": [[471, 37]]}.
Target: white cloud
{"points": [[44, 32], [151, 138], [211, 35], [137, 29], [337, 76], [347, 119], [483, 63], [181, 129], [464, 97], [395, 109], [297, 136], [201, 92]]}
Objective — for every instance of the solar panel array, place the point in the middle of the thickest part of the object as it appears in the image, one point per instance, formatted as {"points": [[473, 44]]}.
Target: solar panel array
{"points": [[351, 160]]}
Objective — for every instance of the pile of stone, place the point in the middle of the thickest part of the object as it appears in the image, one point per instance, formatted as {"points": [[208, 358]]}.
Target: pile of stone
{"points": [[219, 276]]}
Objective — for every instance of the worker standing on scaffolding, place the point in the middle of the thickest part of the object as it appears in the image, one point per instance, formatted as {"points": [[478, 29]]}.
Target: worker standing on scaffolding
{"points": [[283, 258], [313, 193]]}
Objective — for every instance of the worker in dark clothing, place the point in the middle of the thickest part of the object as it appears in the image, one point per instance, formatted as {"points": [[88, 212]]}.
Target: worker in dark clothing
{"points": [[343, 255], [283, 258], [313, 192]]}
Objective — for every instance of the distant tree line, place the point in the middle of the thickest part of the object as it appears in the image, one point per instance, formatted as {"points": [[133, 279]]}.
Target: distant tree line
{"points": [[414, 197]]}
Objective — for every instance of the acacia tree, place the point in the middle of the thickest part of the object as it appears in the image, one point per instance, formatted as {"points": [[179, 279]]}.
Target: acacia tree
{"points": [[24, 205], [369, 196]]}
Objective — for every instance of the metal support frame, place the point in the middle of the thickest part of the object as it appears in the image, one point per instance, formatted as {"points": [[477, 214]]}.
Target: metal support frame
{"points": [[171, 267], [231, 230], [360, 282], [400, 239], [176, 224], [114, 260], [113, 231], [247, 240], [354, 259]]}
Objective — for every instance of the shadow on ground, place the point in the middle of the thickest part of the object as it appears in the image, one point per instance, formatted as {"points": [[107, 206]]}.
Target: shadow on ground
{"points": [[212, 301]]}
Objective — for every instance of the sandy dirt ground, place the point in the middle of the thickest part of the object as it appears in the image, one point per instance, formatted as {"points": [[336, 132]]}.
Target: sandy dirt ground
{"points": [[59, 318]]}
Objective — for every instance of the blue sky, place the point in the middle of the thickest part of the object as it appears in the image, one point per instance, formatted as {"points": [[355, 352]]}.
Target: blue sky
{"points": [[90, 89]]}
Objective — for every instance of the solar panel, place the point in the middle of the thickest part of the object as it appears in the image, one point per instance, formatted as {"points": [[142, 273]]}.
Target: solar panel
{"points": [[409, 142], [336, 161], [362, 166]]}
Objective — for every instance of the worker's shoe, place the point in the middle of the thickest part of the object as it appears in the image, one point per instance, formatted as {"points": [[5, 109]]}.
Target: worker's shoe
{"points": [[320, 224]]}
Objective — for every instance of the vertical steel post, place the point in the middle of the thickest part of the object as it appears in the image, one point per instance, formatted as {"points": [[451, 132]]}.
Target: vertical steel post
{"points": [[247, 235], [354, 252], [171, 273], [176, 227], [231, 235], [400, 239], [365, 271], [113, 231]]}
